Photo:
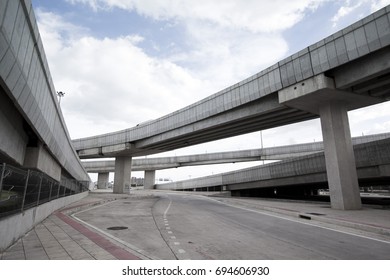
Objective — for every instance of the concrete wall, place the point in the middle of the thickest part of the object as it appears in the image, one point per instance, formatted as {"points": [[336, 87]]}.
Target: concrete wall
{"points": [[356, 41], [14, 227], [25, 77]]}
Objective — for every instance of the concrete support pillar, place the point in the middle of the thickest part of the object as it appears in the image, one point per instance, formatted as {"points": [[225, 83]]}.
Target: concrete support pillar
{"points": [[150, 178], [339, 157], [318, 95], [103, 180], [122, 177]]}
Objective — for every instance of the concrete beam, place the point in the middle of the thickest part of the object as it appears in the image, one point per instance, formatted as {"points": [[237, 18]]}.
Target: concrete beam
{"points": [[310, 94], [39, 158]]}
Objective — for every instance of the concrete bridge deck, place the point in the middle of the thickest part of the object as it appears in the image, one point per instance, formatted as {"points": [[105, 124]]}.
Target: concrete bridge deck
{"points": [[271, 153], [372, 163]]}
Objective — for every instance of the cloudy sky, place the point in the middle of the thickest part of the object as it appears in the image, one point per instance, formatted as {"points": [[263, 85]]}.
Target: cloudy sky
{"points": [[123, 62]]}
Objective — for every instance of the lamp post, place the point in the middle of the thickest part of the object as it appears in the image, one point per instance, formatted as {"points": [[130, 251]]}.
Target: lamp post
{"points": [[60, 95]]}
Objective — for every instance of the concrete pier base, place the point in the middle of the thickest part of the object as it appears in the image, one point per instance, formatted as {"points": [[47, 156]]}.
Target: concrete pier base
{"points": [[339, 157], [122, 178], [150, 178], [103, 180]]}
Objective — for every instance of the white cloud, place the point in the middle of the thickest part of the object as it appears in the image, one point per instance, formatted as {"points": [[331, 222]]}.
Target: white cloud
{"points": [[344, 11], [112, 81], [252, 15], [353, 8], [378, 4]]}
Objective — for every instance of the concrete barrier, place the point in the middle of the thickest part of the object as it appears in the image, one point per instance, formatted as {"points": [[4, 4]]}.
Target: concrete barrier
{"points": [[14, 227]]}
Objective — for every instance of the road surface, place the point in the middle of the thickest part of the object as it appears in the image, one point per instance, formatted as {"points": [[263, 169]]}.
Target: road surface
{"points": [[182, 226]]}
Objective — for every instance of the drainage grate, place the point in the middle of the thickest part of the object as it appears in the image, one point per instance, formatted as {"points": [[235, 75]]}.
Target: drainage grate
{"points": [[117, 228]]}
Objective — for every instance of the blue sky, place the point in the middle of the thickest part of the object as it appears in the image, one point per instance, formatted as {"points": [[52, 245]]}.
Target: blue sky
{"points": [[123, 62]]}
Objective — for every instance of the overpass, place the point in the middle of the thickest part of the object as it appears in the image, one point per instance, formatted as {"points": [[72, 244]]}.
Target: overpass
{"points": [[372, 162], [34, 138], [347, 70], [150, 165]]}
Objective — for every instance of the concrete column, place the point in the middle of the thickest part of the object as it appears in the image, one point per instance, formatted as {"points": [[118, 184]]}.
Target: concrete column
{"points": [[318, 95], [103, 180], [122, 177], [150, 178], [339, 157]]}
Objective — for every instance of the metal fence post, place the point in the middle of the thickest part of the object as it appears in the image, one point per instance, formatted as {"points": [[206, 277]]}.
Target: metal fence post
{"points": [[25, 190], [58, 192], [51, 187], [39, 190], [1, 177]]}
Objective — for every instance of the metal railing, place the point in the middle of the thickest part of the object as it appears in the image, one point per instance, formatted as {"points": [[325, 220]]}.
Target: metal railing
{"points": [[22, 189]]}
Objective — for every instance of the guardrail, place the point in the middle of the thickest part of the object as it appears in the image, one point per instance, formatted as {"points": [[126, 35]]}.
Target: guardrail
{"points": [[22, 189]]}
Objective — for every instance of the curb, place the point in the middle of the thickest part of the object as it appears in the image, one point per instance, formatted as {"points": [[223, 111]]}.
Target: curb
{"points": [[102, 241]]}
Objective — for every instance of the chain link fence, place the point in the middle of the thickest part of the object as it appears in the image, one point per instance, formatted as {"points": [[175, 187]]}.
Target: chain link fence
{"points": [[23, 189]]}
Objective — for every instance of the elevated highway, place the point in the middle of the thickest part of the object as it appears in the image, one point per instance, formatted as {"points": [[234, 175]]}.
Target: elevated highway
{"points": [[347, 70], [33, 130], [372, 162], [33, 134], [150, 165]]}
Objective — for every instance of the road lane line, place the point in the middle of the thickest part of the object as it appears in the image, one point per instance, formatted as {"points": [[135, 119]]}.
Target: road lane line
{"points": [[169, 206], [292, 220]]}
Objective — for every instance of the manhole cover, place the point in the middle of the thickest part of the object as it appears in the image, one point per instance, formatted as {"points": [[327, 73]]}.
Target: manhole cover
{"points": [[117, 228]]}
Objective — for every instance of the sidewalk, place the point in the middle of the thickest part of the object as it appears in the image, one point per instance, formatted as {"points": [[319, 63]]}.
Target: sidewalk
{"points": [[60, 237]]}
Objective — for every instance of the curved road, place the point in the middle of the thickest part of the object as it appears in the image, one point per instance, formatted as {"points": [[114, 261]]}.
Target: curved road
{"points": [[180, 226]]}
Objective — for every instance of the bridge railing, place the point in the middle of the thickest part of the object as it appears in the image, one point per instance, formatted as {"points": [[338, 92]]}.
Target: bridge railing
{"points": [[21, 189]]}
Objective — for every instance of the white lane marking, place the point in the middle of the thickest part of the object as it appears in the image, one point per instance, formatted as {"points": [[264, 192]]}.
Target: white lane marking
{"points": [[176, 243], [181, 251], [173, 237], [170, 232], [167, 228], [169, 206], [296, 221]]}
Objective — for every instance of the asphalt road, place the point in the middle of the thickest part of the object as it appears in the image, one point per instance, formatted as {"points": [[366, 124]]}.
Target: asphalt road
{"points": [[179, 226]]}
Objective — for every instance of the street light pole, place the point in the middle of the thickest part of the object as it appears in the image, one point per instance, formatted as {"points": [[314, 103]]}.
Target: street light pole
{"points": [[60, 95]]}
